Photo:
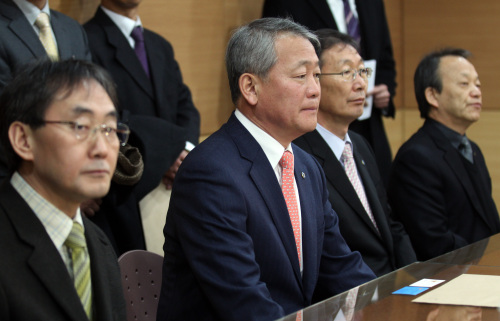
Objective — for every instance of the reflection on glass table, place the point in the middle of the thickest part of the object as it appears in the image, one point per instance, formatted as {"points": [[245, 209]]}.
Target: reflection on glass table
{"points": [[374, 300]]}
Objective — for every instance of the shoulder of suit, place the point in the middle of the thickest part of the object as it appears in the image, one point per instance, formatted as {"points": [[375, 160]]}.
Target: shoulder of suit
{"points": [[305, 157], [421, 147], [64, 18], [156, 37]]}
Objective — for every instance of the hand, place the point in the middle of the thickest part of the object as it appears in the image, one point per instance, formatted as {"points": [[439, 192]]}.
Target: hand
{"points": [[381, 96], [90, 207], [168, 177]]}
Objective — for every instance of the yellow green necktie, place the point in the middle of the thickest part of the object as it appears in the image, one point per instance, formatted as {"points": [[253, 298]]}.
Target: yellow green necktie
{"points": [[46, 37], [81, 266]]}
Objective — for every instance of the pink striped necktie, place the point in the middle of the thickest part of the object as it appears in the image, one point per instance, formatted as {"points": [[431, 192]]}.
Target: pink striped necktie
{"points": [[352, 174]]}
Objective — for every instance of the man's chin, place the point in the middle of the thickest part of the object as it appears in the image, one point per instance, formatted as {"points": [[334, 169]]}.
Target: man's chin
{"points": [[98, 191]]}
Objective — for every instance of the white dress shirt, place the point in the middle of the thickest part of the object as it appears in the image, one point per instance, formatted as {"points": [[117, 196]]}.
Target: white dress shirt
{"points": [[274, 151]]}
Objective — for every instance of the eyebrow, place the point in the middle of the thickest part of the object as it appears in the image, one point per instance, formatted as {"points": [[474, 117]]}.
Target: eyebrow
{"points": [[345, 61], [307, 62], [80, 110]]}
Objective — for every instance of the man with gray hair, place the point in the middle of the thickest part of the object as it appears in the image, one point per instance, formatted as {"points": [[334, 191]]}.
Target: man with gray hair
{"points": [[250, 234]]}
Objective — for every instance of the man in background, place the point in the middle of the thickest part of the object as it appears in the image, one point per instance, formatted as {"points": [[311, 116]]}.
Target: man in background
{"points": [[355, 188], [154, 101], [59, 126], [440, 187], [29, 30], [250, 234], [366, 22]]}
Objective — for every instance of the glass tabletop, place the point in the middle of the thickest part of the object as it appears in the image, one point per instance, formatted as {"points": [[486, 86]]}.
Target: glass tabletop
{"points": [[374, 300]]}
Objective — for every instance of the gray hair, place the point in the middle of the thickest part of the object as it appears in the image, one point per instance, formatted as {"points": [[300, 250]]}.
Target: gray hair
{"points": [[251, 48]]}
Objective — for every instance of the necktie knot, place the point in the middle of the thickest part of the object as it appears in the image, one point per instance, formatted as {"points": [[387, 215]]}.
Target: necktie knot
{"points": [[42, 21], [347, 152], [137, 34], [76, 238], [286, 161]]}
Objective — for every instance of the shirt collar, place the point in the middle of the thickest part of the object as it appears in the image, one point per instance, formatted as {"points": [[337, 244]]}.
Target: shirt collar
{"points": [[271, 147], [31, 11], [125, 24], [57, 224], [336, 143], [454, 137]]}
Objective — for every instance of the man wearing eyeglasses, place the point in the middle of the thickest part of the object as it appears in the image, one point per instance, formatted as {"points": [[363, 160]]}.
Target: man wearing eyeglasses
{"points": [[356, 191], [59, 125]]}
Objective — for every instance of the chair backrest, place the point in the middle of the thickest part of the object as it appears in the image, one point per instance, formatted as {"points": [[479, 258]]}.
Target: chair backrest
{"points": [[141, 280]]}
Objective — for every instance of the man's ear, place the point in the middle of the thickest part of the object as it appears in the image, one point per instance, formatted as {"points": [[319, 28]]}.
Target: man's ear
{"points": [[249, 87], [20, 136], [431, 95]]}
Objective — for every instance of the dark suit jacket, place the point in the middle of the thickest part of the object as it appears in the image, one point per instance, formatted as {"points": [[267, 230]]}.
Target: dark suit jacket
{"points": [[382, 252], [230, 252], [375, 44], [159, 110], [431, 192], [34, 282], [20, 44]]}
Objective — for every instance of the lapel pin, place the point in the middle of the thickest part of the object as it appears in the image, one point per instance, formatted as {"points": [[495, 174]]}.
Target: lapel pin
{"points": [[363, 161], [303, 175]]}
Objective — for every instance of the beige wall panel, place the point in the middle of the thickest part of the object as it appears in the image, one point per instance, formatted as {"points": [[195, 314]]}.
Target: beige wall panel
{"points": [[81, 10], [393, 11], [432, 24]]}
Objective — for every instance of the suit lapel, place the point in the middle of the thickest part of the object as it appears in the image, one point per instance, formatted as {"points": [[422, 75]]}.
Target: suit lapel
{"points": [[265, 181], [22, 29], [102, 303], [62, 37], [453, 159], [324, 12], [373, 199], [45, 260], [335, 174], [124, 54], [309, 226], [157, 58]]}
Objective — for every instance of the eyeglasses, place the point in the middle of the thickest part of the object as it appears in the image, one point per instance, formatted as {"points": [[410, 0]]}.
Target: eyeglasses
{"points": [[350, 74], [82, 132]]}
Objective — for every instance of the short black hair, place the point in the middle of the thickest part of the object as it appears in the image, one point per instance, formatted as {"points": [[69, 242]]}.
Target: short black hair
{"points": [[329, 38], [427, 75], [34, 88]]}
